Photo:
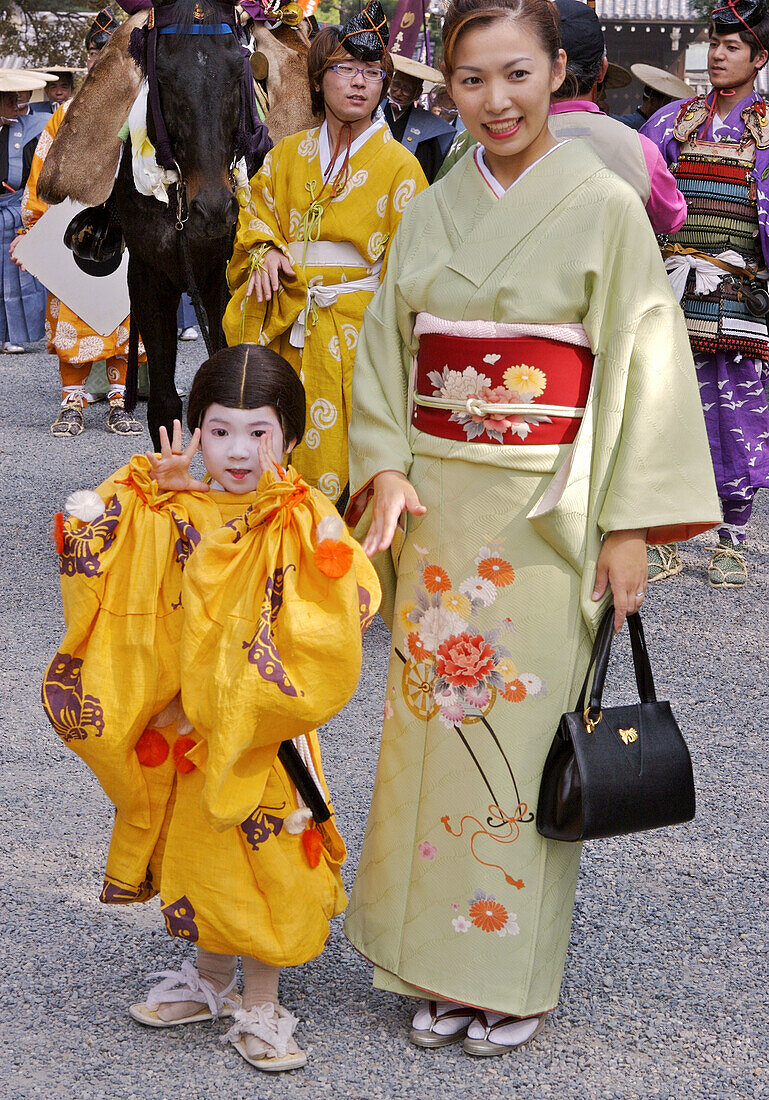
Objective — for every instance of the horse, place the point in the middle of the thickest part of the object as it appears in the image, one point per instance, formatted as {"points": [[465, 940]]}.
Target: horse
{"points": [[201, 105], [280, 60]]}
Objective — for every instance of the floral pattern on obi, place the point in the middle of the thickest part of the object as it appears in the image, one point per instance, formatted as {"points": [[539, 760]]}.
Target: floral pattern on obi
{"points": [[180, 919], [262, 650], [521, 385], [188, 539], [83, 547], [73, 715], [260, 826]]}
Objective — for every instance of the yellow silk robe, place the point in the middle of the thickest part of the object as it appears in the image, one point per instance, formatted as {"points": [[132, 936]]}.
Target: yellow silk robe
{"points": [[383, 178], [202, 631], [489, 593], [68, 336]]}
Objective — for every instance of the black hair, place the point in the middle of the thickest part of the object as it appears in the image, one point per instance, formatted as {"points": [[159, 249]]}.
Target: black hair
{"points": [[760, 32], [248, 376], [579, 80]]}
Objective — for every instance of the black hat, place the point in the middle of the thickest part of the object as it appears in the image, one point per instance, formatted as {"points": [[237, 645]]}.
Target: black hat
{"points": [[95, 240], [731, 16], [101, 30], [581, 34], [365, 35]]}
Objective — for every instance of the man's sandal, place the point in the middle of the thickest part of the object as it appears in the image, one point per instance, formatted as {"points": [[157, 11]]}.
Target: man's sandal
{"points": [[483, 1046], [264, 1037], [663, 561], [423, 1027], [727, 567], [184, 985]]}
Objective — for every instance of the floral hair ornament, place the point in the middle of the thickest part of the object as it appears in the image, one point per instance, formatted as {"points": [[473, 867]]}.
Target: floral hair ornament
{"points": [[365, 35]]}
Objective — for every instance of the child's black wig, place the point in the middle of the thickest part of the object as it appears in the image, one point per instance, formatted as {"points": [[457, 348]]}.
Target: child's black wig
{"points": [[248, 376]]}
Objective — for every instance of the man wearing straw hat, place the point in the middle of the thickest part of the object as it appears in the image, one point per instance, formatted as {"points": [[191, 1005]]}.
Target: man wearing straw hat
{"points": [[660, 88], [22, 303], [424, 134]]}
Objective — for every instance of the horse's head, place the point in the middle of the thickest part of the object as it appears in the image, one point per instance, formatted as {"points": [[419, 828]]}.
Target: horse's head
{"points": [[200, 81]]}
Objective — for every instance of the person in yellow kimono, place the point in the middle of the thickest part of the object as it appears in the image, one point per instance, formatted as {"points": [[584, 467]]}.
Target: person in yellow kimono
{"points": [[77, 346], [311, 246], [212, 626]]}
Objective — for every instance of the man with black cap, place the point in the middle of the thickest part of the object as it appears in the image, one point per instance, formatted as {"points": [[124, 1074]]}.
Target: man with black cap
{"points": [[75, 344], [575, 114], [718, 148]]}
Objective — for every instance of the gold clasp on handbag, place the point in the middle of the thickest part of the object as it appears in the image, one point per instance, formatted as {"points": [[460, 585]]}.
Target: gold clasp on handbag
{"points": [[591, 723], [629, 736]]}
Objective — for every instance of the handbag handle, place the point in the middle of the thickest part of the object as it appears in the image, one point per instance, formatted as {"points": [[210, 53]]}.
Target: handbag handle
{"points": [[600, 658]]}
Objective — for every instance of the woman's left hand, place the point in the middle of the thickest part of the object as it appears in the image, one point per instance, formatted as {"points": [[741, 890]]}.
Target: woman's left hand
{"points": [[622, 565]]}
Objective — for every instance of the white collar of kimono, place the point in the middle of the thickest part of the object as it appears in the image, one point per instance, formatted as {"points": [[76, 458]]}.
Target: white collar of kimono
{"points": [[493, 182], [324, 150]]}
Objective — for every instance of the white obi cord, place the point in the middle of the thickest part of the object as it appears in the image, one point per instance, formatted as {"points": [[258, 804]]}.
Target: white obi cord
{"points": [[707, 275], [320, 295]]}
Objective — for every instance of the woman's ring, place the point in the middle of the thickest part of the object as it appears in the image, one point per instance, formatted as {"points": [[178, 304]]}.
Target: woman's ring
{"points": [[640, 595]]}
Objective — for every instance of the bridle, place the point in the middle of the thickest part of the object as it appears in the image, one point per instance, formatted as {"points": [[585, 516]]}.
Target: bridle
{"points": [[249, 143]]}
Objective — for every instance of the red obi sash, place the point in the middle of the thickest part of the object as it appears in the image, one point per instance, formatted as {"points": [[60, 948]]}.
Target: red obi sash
{"points": [[509, 390]]}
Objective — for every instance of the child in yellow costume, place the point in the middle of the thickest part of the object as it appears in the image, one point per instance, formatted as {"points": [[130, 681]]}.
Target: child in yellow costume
{"points": [[207, 624]]}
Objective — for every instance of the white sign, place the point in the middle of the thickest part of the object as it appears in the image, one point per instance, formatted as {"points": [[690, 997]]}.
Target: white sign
{"points": [[102, 302]]}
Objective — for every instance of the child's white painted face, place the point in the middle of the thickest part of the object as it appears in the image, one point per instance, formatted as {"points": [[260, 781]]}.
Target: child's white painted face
{"points": [[230, 440]]}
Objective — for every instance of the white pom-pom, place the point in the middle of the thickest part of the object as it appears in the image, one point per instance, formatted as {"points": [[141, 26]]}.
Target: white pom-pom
{"points": [[330, 527], [85, 504], [297, 821]]}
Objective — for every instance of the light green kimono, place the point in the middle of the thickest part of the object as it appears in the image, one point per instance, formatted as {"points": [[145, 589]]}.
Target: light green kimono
{"points": [[490, 592]]}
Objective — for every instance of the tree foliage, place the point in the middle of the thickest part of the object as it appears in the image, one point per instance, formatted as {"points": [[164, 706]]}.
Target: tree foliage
{"points": [[45, 33]]}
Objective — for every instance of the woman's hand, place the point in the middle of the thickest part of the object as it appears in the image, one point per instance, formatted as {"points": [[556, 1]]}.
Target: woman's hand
{"points": [[622, 564], [393, 495], [12, 251], [265, 280], [172, 469]]}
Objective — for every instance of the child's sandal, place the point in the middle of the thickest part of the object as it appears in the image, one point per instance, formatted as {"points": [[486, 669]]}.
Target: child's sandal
{"points": [[274, 1027], [184, 985]]}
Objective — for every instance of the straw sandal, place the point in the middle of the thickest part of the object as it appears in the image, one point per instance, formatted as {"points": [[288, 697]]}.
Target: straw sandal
{"points": [[663, 561], [487, 1047], [274, 1027], [184, 985], [727, 567]]}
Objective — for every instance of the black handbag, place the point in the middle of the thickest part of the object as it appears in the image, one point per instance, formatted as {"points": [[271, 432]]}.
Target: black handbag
{"points": [[616, 770]]}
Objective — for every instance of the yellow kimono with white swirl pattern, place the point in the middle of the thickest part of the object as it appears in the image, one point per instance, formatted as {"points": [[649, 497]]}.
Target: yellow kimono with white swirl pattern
{"points": [[383, 178]]}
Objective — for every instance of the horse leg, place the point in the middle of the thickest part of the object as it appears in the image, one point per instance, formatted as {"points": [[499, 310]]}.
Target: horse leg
{"points": [[154, 302]]}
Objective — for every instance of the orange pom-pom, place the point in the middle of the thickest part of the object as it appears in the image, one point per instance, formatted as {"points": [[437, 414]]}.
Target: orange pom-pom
{"points": [[152, 748], [313, 845], [183, 745], [333, 558], [58, 532]]}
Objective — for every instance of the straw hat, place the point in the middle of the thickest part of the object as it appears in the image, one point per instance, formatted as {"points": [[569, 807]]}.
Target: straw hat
{"points": [[660, 80], [52, 70], [616, 76], [20, 80], [416, 69]]}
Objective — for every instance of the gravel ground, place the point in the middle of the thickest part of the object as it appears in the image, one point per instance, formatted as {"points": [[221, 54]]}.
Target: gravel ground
{"points": [[665, 988]]}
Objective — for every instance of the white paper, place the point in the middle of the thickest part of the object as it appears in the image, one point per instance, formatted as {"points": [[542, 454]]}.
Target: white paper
{"points": [[102, 302]]}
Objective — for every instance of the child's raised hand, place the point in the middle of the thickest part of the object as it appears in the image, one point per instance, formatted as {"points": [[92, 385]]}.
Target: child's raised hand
{"points": [[171, 469], [266, 457]]}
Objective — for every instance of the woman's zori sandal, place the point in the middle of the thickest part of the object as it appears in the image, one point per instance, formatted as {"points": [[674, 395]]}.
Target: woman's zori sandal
{"points": [[439, 1023], [185, 985], [491, 1034], [264, 1036]]}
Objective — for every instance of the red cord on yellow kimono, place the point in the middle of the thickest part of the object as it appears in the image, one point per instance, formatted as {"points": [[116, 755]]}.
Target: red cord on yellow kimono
{"points": [[77, 346], [203, 629]]}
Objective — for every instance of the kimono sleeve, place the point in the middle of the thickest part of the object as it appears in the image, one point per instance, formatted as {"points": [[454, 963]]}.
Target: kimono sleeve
{"points": [[32, 206], [407, 183], [275, 604], [118, 664], [257, 225]]}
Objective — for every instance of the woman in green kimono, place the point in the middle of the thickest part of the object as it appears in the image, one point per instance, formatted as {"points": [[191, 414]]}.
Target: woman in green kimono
{"points": [[524, 395]]}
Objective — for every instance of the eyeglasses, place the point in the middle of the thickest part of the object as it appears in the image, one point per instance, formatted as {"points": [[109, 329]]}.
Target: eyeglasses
{"points": [[347, 72]]}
